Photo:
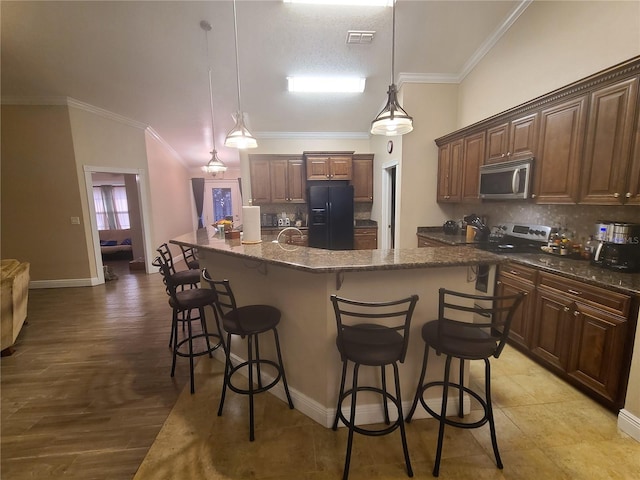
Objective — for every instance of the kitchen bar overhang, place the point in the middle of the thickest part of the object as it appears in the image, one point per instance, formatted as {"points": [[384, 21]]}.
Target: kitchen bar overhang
{"points": [[299, 281]]}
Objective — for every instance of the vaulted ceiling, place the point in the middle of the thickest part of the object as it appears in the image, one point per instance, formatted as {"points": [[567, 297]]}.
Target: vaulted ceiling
{"points": [[147, 60]]}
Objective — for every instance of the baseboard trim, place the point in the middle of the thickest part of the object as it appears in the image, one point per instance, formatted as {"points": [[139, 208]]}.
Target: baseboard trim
{"points": [[629, 424], [365, 414]]}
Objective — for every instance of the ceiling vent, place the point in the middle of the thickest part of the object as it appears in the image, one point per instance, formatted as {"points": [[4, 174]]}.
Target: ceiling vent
{"points": [[360, 36]]}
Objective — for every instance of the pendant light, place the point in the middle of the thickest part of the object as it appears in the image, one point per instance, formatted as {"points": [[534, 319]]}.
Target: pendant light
{"points": [[215, 165], [393, 119], [239, 136]]}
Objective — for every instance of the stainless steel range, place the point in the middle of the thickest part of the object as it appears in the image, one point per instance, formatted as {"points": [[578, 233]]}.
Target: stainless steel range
{"points": [[517, 238]]}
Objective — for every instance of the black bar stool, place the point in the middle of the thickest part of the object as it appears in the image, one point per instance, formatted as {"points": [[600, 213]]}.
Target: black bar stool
{"points": [[379, 342], [183, 303], [454, 338], [181, 277], [190, 256], [247, 321]]}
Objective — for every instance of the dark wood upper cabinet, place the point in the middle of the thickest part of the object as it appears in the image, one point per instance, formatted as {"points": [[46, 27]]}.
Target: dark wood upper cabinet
{"points": [[329, 166], [450, 171], [473, 157], [584, 137], [362, 180], [560, 151], [260, 180], [287, 180], [607, 163]]}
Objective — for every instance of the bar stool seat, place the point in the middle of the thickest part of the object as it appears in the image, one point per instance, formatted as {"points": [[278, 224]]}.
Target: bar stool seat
{"points": [[376, 345], [183, 303], [455, 336], [189, 277], [248, 321]]}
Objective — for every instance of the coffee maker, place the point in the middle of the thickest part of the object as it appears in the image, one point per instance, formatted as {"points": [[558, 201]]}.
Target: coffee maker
{"points": [[618, 246]]}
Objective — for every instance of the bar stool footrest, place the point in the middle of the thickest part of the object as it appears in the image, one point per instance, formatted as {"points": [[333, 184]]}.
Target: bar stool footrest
{"points": [[366, 431], [448, 421], [206, 351], [260, 389]]}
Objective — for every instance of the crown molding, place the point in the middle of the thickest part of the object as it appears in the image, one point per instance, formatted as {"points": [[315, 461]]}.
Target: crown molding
{"points": [[489, 43], [101, 112], [427, 78]]}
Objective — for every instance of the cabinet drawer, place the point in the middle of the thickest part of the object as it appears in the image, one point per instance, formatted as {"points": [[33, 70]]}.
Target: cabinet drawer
{"points": [[365, 231], [522, 272], [428, 242], [589, 294]]}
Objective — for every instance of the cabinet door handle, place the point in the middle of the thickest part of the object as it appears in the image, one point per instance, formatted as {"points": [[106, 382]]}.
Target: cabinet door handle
{"points": [[566, 309], [574, 292], [576, 313], [513, 272], [628, 195], [533, 195], [616, 195], [499, 282]]}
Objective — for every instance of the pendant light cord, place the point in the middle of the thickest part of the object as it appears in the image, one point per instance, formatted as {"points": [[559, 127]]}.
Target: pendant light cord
{"points": [[206, 27], [393, 41], [235, 31]]}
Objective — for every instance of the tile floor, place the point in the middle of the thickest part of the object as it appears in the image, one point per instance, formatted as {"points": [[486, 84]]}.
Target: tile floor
{"points": [[546, 430]]}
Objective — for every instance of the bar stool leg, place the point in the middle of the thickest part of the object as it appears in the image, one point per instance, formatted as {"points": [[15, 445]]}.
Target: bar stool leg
{"points": [[174, 333], [205, 331], [257, 357], [384, 399], [492, 426], [284, 377], [352, 419], [419, 391], [227, 369], [340, 394], [403, 434], [461, 390], [250, 353], [443, 416], [190, 333]]}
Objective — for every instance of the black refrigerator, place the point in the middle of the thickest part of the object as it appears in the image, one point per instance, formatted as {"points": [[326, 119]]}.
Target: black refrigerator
{"points": [[331, 217]]}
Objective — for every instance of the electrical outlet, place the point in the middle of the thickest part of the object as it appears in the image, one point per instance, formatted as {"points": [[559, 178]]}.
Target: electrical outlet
{"points": [[75, 220]]}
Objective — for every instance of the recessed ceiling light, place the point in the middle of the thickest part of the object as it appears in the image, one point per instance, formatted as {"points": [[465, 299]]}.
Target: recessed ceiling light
{"points": [[364, 3], [326, 84]]}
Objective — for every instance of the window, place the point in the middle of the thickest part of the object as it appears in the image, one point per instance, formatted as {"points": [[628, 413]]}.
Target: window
{"points": [[112, 209]]}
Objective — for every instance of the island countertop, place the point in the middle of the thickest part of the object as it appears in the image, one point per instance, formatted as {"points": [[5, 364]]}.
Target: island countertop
{"points": [[317, 260]]}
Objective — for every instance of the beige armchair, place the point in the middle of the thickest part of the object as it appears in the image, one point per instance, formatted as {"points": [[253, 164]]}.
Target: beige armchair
{"points": [[13, 297]]}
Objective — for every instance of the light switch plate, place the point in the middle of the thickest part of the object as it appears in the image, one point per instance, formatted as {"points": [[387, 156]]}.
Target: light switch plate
{"points": [[75, 220]]}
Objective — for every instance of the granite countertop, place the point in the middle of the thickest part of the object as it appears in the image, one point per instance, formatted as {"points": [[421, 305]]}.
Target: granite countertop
{"points": [[317, 260], [627, 283]]}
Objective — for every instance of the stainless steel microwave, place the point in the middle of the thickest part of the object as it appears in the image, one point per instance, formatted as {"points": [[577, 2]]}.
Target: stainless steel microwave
{"points": [[506, 180]]}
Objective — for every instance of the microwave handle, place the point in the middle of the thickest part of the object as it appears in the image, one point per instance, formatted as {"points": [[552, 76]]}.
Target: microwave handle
{"points": [[515, 180]]}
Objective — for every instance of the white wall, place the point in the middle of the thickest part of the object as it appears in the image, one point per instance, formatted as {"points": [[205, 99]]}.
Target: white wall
{"points": [[552, 44]]}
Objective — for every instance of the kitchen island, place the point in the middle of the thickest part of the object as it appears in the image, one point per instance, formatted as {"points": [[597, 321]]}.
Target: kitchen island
{"points": [[299, 280]]}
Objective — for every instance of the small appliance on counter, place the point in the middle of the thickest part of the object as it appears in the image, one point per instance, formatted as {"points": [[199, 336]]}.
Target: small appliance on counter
{"points": [[450, 227], [618, 246]]}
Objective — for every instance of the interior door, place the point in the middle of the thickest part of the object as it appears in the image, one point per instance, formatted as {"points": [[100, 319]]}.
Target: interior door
{"points": [[222, 198]]}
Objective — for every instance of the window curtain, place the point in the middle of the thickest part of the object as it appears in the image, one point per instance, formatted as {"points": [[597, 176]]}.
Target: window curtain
{"points": [[112, 209], [197, 185]]}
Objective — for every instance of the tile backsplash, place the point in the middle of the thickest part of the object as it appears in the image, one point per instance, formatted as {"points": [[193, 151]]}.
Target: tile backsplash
{"points": [[575, 218]]}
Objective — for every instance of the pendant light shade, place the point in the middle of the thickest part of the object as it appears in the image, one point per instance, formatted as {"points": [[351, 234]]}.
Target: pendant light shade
{"points": [[239, 136], [393, 119], [215, 165]]}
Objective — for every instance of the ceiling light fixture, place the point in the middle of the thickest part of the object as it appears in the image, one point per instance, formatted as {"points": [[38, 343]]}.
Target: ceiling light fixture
{"points": [[239, 136], [215, 165], [326, 84], [364, 3], [393, 119]]}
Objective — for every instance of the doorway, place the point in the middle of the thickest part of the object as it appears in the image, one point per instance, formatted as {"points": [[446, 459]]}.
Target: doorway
{"points": [[134, 181], [390, 204], [222, 200]]}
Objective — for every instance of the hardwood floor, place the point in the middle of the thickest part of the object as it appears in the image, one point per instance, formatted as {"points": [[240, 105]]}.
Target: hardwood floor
{"points": [[88, 387]]}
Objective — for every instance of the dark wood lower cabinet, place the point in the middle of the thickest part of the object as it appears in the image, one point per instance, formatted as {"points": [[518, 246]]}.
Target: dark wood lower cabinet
{"points": [[551, 329], [579, 331], [597, 350]]}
